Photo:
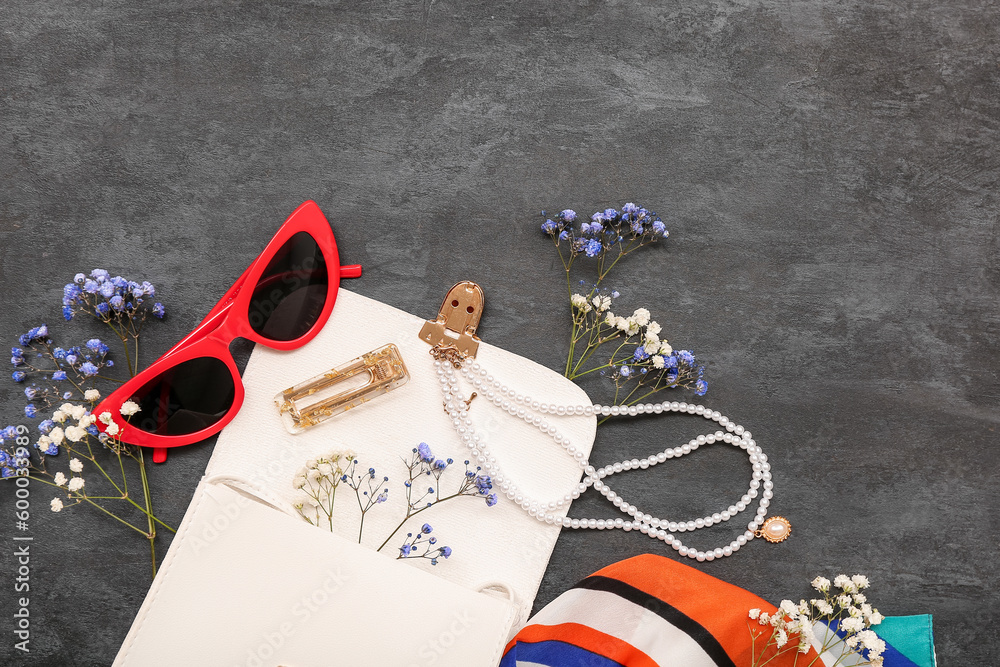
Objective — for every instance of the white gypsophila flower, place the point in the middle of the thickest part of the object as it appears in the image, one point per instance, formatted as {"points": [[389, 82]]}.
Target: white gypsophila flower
{"points": [[844, 601], [611, 319], [312, 502], [842, 581], [129, 408], [754, 613], [641, 317], [623, 323], [860, 580], [872, 642], [875, 618], [823, 607], [66, 408], [325, 469], [78, 412], [764, 618], [855, 612], [105, 417], [86, 421], [75, 433], [59, 479], [602, 303], [780, 638], [92, 395], [59, 416], [349, 455], [76, 465], [852, 641], [852, 624], [313, 474], [651, 348], [44, 442], [665, 348], [633, 327], [859, 598], [788, 607], [821, 584], [112, 429], [578, 301], [657, 361], [75, 484], [653, 328], [57, 435], [312, 463], [877, 662], [56, 505], [651, 338], [298, 482]]}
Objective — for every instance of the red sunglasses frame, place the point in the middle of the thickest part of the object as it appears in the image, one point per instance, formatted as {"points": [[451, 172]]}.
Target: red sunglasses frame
{"points": [[228, 320]]}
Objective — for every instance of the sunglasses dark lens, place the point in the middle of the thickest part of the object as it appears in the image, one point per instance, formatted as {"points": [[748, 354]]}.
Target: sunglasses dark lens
{"points": [[186, 399], [291, 293]]}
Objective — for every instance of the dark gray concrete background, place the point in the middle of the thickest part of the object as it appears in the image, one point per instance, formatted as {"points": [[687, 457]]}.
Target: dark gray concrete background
{"points": [[826, 170]]}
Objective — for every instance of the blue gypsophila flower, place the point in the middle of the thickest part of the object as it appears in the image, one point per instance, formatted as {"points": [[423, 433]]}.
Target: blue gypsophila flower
{"points": [[686, 357], [659, 228], [610, 214], [637, 228], [629, 208], [79, 278], [549, 227], [17, 361], [107, 290], [119, 282], [67, 395], [670, 362], [30, 392], [9, 433], [18, 376], [700, 387], [67, 312], [440, 465], [30, 411], [445, 551], [484, 484], [425, 453], [568, 215], [491, 500], [51, 450], [640, 354], [71, 359], [59, 376], [99, 275], [102, 309], [405, 549], [6, 472], [592, 248], [563, 235], [148, 288], [624, 371], [158, 310], [46, 426], [91, 287], [117, 302], [426, 529]]}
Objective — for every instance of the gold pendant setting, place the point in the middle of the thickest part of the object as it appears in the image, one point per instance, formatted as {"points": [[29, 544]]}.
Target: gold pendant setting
{"points": [[776, 529]]}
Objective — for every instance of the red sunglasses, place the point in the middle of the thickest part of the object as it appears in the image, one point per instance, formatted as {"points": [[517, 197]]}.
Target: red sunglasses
{"points": [[195, 389]]}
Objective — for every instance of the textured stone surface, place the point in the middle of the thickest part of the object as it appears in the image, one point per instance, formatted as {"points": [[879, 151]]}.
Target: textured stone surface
{"points": [[827, 171]]}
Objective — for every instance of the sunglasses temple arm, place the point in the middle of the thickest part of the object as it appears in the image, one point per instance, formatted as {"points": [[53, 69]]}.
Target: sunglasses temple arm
{"points": [[350, 271], [159, 454]]}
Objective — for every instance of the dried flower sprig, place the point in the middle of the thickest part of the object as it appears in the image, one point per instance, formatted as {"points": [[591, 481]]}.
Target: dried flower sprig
{"points": [[641, 363], [843, 615], [424, 545], [321, 477], [120, 303], [68, 380]]}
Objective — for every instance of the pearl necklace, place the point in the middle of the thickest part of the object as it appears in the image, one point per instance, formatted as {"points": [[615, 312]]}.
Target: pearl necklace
{"points": [[524, 407]]}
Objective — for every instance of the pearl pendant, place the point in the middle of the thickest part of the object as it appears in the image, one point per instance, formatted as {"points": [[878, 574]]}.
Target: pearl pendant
{"points": [[776, 529]]}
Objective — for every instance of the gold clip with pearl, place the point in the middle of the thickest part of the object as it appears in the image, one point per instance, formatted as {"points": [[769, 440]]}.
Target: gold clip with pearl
{"points": [[453, 331], [342, 388]]}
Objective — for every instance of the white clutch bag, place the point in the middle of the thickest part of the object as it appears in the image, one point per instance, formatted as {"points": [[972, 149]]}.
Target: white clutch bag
{"points": [[246, 584], [223, 598]]}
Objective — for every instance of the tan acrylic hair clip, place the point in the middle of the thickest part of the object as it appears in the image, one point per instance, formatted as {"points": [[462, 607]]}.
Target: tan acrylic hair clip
{"points": [[342, 388]]}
